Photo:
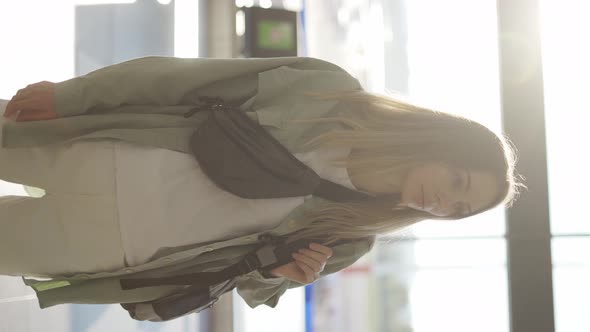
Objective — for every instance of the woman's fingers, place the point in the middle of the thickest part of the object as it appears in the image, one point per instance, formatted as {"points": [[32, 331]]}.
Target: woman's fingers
{"points": [[317, 257], [28, 115], [18, 103], [35, 102], [310, 275], [12, 108], [320, 254], [26, 93], [323, 249], [307, 264], [310, 262], [22, 93]]}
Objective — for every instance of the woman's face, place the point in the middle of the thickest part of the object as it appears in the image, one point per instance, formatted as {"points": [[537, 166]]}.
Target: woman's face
{"points": [[447, 191]]}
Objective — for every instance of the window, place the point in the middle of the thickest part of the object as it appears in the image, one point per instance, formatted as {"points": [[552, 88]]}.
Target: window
{"points": [[434, 276], [566, 73], [455, 271]]}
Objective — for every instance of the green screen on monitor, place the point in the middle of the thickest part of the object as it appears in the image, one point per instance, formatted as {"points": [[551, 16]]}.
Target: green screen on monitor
{"points": [[275, 35]]}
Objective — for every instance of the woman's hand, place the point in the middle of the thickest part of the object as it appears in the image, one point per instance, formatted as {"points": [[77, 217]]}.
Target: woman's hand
{"points": [[307, 265], [35, 102]]}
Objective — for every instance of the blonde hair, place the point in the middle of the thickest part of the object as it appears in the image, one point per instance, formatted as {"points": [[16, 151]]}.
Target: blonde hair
{"points": [[393, 136]]}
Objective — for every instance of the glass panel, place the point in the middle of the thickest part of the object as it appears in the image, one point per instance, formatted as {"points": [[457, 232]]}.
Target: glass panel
{"points": [[35, 54], [424, 285], [452, 67], [566, 74], [468, 277], [453, 285], [455, 70], [38, 39], [566, 71], [459, 299], [186, 28], [488, 224], [427, 285], [571, 273], [287, 316]]}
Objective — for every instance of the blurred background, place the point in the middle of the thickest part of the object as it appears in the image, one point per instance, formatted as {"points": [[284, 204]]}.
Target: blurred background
{"points": [[519, 67]]}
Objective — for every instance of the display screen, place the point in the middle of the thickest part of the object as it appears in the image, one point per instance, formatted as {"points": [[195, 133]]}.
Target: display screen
{"points": [[275, 35]]}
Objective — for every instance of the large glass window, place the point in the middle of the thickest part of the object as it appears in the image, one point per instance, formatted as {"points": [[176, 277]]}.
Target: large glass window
{"points": [[459, 268], [39, 43], [566, 71], [447, 276]]}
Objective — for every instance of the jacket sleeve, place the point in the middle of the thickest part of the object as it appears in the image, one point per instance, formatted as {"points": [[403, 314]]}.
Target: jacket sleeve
{"points": [[257, 290], [169, 81]]}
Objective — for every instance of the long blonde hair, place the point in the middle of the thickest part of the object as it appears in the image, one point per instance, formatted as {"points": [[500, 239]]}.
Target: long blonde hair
{"points": [[394, 136]]}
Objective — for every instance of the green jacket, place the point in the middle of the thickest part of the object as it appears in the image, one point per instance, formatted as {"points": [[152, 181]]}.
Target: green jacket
{"points": [[143, 101]]}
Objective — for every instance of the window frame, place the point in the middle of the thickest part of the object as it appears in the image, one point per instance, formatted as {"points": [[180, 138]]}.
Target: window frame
{"points": [[528, 233]]}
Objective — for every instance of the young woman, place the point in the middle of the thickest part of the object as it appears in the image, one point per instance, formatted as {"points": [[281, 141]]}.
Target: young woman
{"points": [[124, 196]]}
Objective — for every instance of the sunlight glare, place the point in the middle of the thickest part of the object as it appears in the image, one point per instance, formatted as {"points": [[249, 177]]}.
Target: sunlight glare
{"points": [[186, 28]]}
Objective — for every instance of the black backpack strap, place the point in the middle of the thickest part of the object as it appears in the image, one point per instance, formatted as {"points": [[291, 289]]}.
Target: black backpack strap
{"points": [[260, 167], [339, 193], [266, 256], [206, 288], [190, 300]]}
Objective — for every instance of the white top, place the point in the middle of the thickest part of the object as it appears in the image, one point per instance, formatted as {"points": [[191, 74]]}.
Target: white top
{"points": [[165, 200]]}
